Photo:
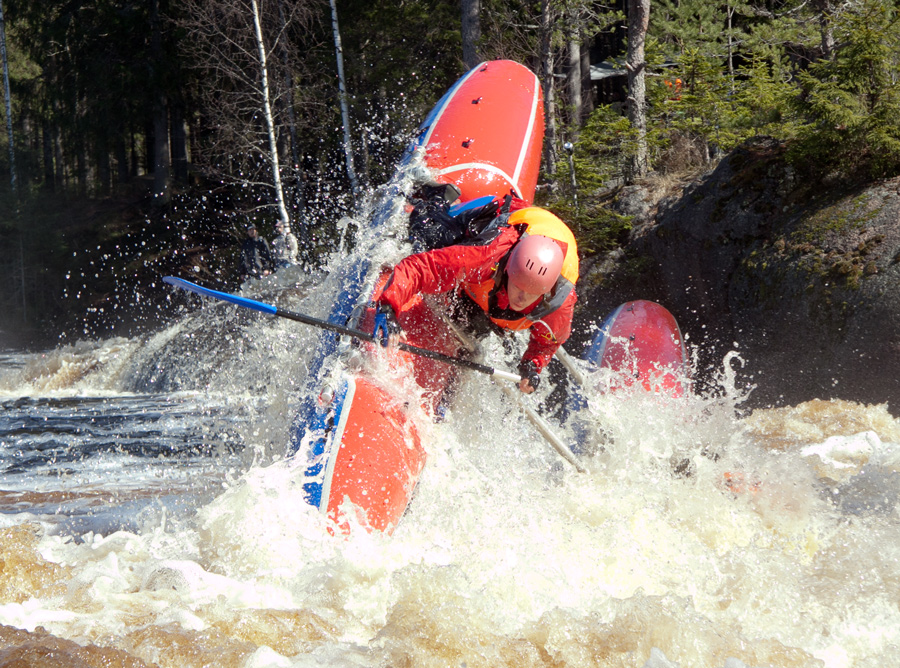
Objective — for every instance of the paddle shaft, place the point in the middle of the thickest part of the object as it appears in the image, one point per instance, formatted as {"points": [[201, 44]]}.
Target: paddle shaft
{"points": [[536, 419], [569, 363], [415, 350], [543, 428], [332, 327], [517, 398]]}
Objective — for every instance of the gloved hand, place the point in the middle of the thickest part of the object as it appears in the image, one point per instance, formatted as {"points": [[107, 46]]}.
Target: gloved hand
{"points": [[386, 325], [530, 378]]}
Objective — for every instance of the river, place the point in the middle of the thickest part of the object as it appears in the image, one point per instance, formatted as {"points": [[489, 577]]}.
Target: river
{"points": [[148, 518]]}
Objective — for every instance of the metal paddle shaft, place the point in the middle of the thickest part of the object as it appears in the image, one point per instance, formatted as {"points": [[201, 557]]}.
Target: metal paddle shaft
{"points": [[332, 327], [569, 362], [543, 428], [519, 399]]}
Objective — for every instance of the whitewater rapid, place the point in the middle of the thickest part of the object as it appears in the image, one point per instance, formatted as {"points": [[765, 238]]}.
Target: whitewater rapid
{"points": [[695, 538], [148, 517]]}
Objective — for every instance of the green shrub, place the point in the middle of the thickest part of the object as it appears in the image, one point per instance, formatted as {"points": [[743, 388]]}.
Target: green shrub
{"points": [[851, 103]]}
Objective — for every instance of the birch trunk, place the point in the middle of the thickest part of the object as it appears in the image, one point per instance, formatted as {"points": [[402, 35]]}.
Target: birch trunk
{"points": [[270, 123], [342, 89], [7, 98]]}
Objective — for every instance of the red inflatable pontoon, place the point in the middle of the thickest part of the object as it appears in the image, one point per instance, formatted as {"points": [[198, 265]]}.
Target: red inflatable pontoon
{"points": [[642, 343]]}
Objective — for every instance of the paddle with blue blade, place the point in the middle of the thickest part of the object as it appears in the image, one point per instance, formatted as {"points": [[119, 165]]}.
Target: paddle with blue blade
{"points": [[332, 327], [262, 307]]}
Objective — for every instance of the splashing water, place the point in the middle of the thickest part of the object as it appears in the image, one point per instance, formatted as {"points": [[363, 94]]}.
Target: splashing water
{"points": [[148, 518]]}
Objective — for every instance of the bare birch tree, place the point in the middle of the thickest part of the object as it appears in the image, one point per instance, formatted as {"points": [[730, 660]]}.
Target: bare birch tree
{"points": [[267, 111], [232, 42]]}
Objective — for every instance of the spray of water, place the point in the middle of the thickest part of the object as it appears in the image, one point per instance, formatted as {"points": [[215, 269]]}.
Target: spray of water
{"points": [[697, 537]]}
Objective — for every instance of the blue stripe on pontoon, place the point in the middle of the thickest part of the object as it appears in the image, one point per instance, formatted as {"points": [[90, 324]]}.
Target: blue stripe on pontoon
{"points": [[318, 423]]}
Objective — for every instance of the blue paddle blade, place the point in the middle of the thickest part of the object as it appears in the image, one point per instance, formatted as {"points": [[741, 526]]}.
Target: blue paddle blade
{"points": [[457, 209], [224, 296]]}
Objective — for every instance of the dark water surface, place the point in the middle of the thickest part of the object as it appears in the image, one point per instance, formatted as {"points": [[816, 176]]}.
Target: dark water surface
{"points": [[102, 463], [161, 526]]}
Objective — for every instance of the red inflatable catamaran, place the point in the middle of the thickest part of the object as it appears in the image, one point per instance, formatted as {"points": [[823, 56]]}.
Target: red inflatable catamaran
{"points": [[355, 437]]}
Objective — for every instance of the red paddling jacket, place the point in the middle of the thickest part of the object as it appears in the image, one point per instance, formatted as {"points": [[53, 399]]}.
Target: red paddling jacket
{"points": [[477, 267]]}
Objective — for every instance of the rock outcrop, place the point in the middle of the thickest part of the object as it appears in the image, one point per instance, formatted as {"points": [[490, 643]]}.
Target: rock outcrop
{"points": [[802, 280]]}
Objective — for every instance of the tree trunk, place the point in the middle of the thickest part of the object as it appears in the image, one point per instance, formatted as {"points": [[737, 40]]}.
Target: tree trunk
{"points": [[471, 32], [81, 167], [104, 175], [23, 282], [550, 151], [123, 175], [194, 131], [825, 8], [587, 86], [47, 154], [294, 193], [149, 147], [161, 159], [7, 98], [638, 21], [179, 142], [573, 79], [270, 121], [289, 98], [342, 92], [58, 159]]}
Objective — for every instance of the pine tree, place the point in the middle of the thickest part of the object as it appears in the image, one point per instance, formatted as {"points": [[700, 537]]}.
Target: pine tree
{"points": [[680, 25], [762, 102], [851, 102]]}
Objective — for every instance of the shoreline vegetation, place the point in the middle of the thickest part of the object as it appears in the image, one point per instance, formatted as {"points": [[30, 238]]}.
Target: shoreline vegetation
{"points": [[143, 148]]}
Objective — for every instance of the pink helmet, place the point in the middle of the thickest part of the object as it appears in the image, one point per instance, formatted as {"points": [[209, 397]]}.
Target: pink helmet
{"points": [[534, 264]]}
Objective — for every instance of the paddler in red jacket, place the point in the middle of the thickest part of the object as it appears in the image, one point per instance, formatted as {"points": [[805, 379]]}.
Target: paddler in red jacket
{"points": [[520, 270]]}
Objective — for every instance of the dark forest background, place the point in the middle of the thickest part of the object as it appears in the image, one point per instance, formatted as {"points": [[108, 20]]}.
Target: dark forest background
{"points": [[140, 140]]}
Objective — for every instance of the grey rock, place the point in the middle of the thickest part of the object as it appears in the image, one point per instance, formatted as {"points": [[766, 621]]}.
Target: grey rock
{"points": [[802, 279]]}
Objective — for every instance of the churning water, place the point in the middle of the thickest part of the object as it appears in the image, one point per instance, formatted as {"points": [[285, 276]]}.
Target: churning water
{"points": [[148, 518]]}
